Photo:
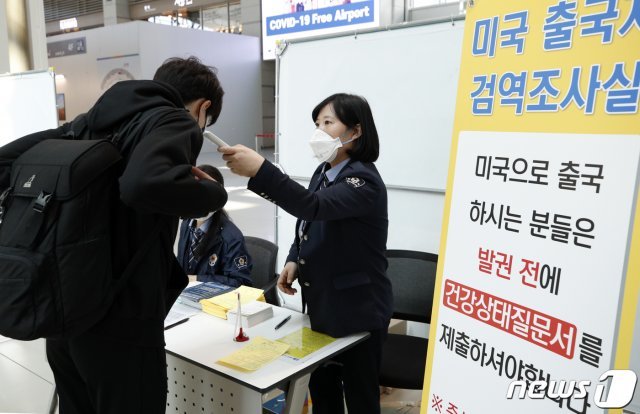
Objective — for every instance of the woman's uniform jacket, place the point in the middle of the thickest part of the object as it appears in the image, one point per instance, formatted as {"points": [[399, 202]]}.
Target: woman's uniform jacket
{"points": [[340, 245]]}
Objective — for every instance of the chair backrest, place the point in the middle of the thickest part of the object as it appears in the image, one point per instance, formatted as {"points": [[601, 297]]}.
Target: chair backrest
{"points": [[413, 277], [264, 255]]}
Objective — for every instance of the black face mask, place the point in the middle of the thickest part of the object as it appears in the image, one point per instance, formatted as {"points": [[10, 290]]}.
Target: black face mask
{"points": [[207, 122]]}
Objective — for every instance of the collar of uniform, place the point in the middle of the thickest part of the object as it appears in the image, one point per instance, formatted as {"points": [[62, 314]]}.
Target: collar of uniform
{"points": [[204, 227], [333, 172]]}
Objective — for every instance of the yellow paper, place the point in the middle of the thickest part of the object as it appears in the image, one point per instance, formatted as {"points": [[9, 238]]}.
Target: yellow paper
{"points": [[257, 353], [229, 300], [304, 342], [215, 310], [220, 305]]}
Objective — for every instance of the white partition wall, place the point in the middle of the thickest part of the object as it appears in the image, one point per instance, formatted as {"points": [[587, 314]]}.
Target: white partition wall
{"points": [[136, 49], [28, 104], [238, 60], [78, 74]]}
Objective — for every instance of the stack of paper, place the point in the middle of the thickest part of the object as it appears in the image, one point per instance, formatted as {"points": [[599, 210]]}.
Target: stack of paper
{"points": [[252, 313], [194, 294], [221, 304]]}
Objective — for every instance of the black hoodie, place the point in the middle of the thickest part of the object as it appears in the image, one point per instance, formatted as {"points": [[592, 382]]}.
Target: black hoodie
{"points": [[156, 188]]}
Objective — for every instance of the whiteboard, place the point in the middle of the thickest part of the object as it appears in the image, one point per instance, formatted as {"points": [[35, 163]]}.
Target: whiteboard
{"points": [[27, 104], [410, 78]]}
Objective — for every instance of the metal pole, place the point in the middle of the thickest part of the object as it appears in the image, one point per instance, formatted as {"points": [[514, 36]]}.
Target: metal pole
{"points": [[276, 137], [406, 11]]}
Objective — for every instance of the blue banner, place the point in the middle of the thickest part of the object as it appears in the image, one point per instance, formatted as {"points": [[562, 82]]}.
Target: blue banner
{"points": [[342, 15]]}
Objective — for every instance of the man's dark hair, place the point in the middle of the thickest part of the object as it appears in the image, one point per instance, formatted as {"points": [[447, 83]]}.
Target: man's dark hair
{"points": [[193, 80], [214, 226], [352, 110]]}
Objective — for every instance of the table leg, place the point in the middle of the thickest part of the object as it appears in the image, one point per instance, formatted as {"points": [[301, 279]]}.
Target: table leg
{"points": [[297, 394]]}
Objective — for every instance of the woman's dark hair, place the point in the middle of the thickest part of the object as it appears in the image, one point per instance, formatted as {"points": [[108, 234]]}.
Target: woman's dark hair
{"points": [[352, 110], [214, 221], [193, 80]]}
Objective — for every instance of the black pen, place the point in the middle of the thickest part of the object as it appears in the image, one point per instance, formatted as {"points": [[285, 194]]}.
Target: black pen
{"points": [[281, 324], [176, 323]]}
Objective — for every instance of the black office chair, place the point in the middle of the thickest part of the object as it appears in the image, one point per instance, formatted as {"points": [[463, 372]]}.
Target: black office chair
{"points": [[264, 255], [413, 276]]}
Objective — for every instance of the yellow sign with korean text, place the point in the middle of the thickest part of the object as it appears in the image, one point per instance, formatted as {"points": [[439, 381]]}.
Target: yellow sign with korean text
{"points": [[539, 271]]}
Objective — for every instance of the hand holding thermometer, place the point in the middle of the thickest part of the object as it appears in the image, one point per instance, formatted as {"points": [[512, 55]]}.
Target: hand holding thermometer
{"points": [[215, 139]]}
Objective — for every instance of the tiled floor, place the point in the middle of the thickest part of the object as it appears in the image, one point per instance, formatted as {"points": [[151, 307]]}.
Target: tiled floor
{"points": [[26, 382], [398, 401]]}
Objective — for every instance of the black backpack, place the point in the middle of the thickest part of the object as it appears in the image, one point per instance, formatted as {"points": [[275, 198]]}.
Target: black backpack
{"points": [[56, 278]]}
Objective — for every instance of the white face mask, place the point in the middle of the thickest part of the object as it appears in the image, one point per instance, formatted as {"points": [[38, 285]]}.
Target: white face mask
{"points": [[324, 146]]}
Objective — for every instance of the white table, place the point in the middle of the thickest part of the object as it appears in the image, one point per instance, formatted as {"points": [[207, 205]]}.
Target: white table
{"points": [[198, 385]]}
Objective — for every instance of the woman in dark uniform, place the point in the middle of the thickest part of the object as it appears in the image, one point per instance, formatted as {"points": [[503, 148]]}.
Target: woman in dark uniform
{"points": [[219, 253], [338, 255]]}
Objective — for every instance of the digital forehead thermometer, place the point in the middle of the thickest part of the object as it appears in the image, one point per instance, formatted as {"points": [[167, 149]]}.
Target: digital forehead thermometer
{"points": [[214, 138]]}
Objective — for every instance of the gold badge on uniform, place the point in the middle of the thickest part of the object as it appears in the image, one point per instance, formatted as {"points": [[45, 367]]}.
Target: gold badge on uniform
{"points": [[213, 259], [240, 261]]}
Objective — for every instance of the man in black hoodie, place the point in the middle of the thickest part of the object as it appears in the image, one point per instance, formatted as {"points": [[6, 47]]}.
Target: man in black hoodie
{"points": [[119, 365]]}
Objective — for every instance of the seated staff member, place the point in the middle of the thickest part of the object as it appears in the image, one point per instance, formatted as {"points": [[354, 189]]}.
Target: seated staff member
{"points": [[212, 248], [339, 249]]}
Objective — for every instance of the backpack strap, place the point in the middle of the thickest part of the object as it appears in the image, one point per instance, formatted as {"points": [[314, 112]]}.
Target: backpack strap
{"points": [[27, 237]]}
